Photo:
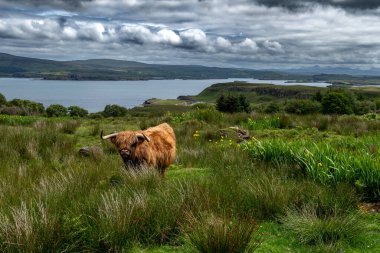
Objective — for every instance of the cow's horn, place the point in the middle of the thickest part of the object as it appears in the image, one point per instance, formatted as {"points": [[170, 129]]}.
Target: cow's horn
{"points": [[107, 136]]}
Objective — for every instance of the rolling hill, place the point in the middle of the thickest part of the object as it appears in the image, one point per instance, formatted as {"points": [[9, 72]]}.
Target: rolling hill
{"points": [[107, 69]]}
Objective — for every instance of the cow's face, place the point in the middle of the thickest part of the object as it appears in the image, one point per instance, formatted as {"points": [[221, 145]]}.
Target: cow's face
{"points": [[126, 143]]}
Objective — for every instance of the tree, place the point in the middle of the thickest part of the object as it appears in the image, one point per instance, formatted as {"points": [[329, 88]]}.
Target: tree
{"points": [[272, 108], [76, 111], [336, 102], [363, 107], [232, 103], [29, 107], [243, 104], [114, 111], [56, 110], [3, 101], [302, 106], [318, 96]]}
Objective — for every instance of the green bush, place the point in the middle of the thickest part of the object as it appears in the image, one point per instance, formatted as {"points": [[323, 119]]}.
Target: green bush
{"points": [[56, 110], [114, 111], [336, 102], [302, 106], [314, 229], [76, 111], [364, 107], [272, 108], [27, 106], [318, 96], [232, 103], [13, 110], [3, 100]]}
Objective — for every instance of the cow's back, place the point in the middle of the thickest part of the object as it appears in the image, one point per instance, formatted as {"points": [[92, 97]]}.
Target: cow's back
{"points": [[162, 145]]}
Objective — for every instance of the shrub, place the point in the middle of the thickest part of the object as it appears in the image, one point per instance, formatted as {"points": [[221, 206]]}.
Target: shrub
{"points": [[363, 107], [76, 111], [3, 101], [232, 103], [96, 115], [29, 107], [114, 111], [202, 106], [335, 102], [70, 126], [302, 106], [56, 110], [314, 229], [377, 103], [318, 96], [12, 110], [272, 108], [222, 235]]}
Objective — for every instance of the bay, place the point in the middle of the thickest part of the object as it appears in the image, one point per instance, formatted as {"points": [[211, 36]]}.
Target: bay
{"points": [[94, 95]]}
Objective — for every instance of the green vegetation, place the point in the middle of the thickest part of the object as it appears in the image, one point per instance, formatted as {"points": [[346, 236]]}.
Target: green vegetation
{"points": [[3, 100], [22, 107], [215, 197], [114, 111], [298, 184], [56, 110], [231, 103], [296, 99], [76, 111], [337, 103], [301, 106]]}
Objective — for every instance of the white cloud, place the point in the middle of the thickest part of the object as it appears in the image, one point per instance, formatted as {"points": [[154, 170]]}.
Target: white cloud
{"points": [[167, 36], [194, 38], [250, 44], [223, 44], [273, 46]]}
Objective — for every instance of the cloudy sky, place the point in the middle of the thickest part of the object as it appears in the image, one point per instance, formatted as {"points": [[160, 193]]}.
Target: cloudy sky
{"points": [[230, 33]]}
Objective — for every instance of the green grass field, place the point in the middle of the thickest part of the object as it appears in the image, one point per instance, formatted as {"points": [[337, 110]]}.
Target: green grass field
{"points": [[295, 186]]}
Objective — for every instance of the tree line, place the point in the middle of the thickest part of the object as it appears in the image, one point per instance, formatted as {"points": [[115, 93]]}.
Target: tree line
{"points": [[329, 102], [26, 107]]}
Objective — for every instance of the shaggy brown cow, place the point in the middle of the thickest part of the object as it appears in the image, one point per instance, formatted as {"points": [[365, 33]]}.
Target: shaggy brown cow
{"points": [[154, 147]]}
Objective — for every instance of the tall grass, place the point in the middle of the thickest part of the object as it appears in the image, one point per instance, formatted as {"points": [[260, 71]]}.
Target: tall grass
{"points": [[223, 235], [315, 229], [323, 162], [53, 200], [14, 120]]}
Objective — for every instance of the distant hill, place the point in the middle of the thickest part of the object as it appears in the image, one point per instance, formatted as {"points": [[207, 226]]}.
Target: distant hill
{"points": [[315, 70], [107, 69]]}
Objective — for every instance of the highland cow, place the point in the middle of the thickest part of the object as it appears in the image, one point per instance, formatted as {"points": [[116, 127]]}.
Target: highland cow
{"points": [[154, 147]]}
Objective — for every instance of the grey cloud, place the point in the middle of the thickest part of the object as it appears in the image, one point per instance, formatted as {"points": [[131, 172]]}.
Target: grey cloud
{"points": [[62, 29], [219, 32], [301, 4], [67, 4]]}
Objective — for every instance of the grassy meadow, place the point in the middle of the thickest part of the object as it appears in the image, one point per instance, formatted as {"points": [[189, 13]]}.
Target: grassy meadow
{"points": [[301, 183]]}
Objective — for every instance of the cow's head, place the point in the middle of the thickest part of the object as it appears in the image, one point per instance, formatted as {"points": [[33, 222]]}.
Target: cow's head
{"points": [[126, 142]]}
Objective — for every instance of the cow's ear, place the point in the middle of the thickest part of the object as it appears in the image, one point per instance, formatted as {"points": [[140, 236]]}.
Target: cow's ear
{"points": [[113, 140], [142, 137]]}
